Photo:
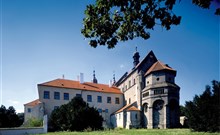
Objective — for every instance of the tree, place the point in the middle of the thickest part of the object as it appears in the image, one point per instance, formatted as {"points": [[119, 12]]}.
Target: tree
{"points": [[9, 118], [206, 4], [75, 116], [204, 111], [110, 21]]}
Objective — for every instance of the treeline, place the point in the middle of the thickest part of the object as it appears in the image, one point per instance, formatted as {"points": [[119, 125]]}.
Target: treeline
{"points": [[9, 118]]}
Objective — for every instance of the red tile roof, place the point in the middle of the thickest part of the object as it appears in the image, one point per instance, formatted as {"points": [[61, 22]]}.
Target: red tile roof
{"points": [[133, 108], [157, 66], [128, 107], [88, 86], [33, 103]]}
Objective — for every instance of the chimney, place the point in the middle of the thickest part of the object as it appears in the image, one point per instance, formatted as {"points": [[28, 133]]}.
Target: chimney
{"points": [[110, 83], [81, 80]]}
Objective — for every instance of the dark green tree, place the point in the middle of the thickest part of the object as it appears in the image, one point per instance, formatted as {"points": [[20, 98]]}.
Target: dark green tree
{"points": [[109, 21], [8, 117], [204, 111], [75, 116]]}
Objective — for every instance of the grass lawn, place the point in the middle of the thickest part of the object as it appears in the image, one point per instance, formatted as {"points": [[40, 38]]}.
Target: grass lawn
{"points": [[136, 132]]}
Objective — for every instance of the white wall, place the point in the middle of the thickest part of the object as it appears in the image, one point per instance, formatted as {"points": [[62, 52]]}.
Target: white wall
{"points": [[50, 103], [37, 112]]}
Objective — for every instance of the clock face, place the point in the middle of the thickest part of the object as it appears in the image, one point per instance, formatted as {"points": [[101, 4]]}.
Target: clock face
{"points": [[158, 105]]}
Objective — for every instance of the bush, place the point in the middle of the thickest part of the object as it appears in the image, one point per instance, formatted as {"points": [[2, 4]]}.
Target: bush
{"points": [[33, 122]]}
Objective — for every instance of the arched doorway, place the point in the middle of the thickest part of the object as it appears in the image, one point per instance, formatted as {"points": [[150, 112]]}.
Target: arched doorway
{"points": [[158, 107], [144, 116], [174, 113]]}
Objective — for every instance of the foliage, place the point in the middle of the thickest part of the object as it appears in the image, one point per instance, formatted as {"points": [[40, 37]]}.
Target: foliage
{"points": [[137, 132], [9, 118], [33, 122], [109, 21], [75, 116], [204, 111], [206, 4]]}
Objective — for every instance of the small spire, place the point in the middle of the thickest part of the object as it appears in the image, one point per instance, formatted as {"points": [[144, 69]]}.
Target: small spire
{"points": [[136, 57], [114, 78], [94, 78]]}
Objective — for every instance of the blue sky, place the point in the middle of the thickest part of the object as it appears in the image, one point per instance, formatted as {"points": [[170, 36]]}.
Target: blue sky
{"points": [[41, 41]]}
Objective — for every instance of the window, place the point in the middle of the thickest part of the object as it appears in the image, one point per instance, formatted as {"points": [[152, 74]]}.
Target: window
{"points": [[129, 84], [89, 98], [109, 100], [136, 116], [146, 94], [158, 78], [158, 91], [117, 100], [66, 96], [99, 110], [119, 116], [57, 95], [129, 100], [55, 107], [78, 95], [106, 110], [99, 99], [46, 95], [29, 110], [134, 81]]}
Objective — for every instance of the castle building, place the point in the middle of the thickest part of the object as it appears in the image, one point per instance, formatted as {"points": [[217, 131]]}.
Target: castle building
{"points": [[147, 96]]}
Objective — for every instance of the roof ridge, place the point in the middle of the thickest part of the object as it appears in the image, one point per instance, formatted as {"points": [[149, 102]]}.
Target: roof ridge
{"points": [[88, 86]]}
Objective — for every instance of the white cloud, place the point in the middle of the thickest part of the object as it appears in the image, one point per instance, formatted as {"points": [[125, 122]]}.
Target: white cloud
{"points": [[14, 102], [122, 66], [19, 110]]}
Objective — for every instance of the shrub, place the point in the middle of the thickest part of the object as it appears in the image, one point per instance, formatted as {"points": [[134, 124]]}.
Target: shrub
{"points": [[33, 122]]}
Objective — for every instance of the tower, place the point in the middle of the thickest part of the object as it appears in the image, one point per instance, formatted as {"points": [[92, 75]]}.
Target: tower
{"points": [[161, 97]]}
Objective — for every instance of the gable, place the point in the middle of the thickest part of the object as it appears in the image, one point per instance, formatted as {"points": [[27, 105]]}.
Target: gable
{"points": [[142, 66]]}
